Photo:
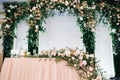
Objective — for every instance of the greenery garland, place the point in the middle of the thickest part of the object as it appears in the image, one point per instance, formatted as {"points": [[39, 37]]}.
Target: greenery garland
{"points": [[36, 12]]}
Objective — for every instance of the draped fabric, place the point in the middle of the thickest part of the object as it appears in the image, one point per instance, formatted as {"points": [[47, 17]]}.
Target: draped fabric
{"points": [[37, 69]]}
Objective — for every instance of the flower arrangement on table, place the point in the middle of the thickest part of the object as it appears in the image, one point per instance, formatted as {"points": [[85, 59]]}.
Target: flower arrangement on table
{"points": [[84, 63]]}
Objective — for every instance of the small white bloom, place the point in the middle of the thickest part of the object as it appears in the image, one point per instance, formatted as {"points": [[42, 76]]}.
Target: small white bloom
{"points": [[93, 7], [90, 69], [67, 52], [36, 26], [119, 39], [15, 6], [81, 18], [31, 10], [84, 62], [34, 8], [74, 6], [8, 10], [10, 6], [73, 58], [31, 15], [87, 56], [77, 52], [92, 29], [81, 54], [66, 3], [98, 77], [7, 26], [80, 57], [81, 8], [117, 23], [74, 65], [91, 55], [113, 30]]}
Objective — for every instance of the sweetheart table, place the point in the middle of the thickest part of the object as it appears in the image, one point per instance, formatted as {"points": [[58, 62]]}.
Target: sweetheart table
{"points": [[37, 69]]}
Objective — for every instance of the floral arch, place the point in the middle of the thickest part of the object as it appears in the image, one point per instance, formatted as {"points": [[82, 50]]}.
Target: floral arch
{"points": [[35, 12]]}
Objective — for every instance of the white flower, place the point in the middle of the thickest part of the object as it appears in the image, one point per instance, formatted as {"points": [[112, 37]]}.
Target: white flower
{"points": [[81, 18], [81, 8], [36, 26], [92, 29], [74, 65], [98, 77], [91, 55], [119, 39], [117, 23], [74, 6], [7, 26], [67, 52], [31, 10], [34, 8], [90, 69], [81, 54], [84, 62], [80, 57], [15, 6], [10, 6], [8, 10], [87, 56], [113, 30], [77, 52], [31, 15], [73, 58], [66, 3], [93, 7]]}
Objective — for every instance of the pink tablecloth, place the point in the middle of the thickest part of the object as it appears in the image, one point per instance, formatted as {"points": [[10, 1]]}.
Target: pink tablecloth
{"points": [[36, 69]]}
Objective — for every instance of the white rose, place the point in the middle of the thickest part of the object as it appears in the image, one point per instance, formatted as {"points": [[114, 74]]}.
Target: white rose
{"points": [[80, 57], [87, 56], [81, 18], [90, 69], [119, 39], [66, 3], [31, 15], [93, 7], [98, 77], [81, 54], [84, 62], [113, 30], [67, 52], [10, 6], [8, 10], [34, 8], [91, 55], [74, 65], [7, 26], [74, 6], [73, 58], [77, 52], [92, 29], [15, 5], [36, 26]]}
